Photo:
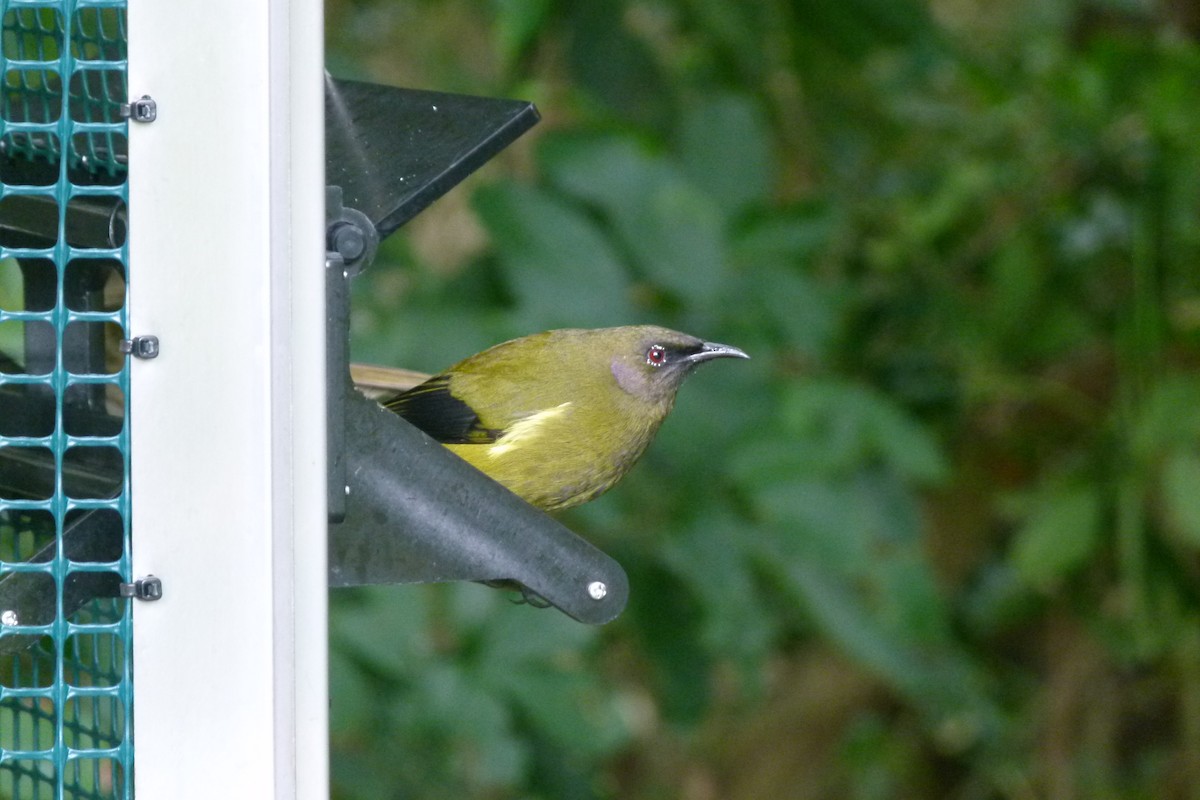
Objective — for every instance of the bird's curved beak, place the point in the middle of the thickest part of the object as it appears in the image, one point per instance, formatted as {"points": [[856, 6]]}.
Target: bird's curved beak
{"points": [[711, 350]]}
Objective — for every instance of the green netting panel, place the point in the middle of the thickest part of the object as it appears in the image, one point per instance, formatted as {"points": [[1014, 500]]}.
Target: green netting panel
{"points": [[65, 636]]}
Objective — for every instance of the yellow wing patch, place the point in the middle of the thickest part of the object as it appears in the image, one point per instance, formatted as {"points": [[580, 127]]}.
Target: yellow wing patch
{"points": [[525, 430]]}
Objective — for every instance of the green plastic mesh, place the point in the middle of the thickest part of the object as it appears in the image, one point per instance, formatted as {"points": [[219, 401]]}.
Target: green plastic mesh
{"points": [[65, 636]]}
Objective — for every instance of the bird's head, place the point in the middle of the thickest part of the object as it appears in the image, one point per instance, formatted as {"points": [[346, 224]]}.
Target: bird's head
{"points": [[651, 363]]}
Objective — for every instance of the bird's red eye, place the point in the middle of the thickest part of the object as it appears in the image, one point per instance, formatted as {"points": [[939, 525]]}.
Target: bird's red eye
{"points": [[656, 356]]}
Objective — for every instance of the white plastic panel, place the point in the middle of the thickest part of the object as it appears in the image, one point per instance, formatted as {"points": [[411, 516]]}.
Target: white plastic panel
{"points": [[227, 424]]}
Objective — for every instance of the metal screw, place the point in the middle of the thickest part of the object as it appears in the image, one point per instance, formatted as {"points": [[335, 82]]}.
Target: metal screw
{"points": [[597, 590], [141, 346], [143, 109], [8, 618]]}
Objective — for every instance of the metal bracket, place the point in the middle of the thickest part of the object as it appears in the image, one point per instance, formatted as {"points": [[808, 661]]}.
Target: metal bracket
{"points": [[140, 346], [351, 241], [337, 366], [148, 588], [143, 109]]}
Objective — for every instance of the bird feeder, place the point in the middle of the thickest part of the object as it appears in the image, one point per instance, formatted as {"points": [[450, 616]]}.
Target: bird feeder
{"points": [[181, 473]]}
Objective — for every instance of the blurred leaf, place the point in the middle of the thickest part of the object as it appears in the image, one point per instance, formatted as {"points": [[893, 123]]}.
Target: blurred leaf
{"points": [[562, 271], [793, 237], [447, 703], [1181, 493], [514, 638], [1059, 536], [775, 285], [668, 619], [908, 595], [866, 530], [877, 759], [678, 240], [674, 231], [736, 30], [1168, 417], [384, 626], [1017, 288], [952, 205], [616, 67], [354, 695], [711, 558], [828, 522], [856, 28], [572, 710], [606, 170], [942, 683], [725, 149], [997, 600], [517, 24], [905, 444], [829, 427]]}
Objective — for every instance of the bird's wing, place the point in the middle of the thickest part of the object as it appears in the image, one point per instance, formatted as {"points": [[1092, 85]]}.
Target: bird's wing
{"points": [[432, 408], [378, 382]]}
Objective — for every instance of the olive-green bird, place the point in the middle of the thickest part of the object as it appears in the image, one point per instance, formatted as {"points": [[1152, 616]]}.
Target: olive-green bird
{"points": [[558, 417]]}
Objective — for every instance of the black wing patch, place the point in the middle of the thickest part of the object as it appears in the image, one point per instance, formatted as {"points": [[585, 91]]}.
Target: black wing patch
{"points": [[440, 414]]}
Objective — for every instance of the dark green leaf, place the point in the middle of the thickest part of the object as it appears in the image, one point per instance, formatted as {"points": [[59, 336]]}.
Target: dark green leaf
{"points": [[725, 148], [1181, 493], [1059, 536], [616, 67], [561, 269], [673, 230], [517, 24]]}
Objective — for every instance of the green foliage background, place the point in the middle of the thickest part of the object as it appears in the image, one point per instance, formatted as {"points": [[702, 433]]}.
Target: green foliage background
{"points": [[939, 537]]}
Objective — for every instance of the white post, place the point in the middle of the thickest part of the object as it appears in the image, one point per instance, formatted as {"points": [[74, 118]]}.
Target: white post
{"points": [[227, 427]]}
